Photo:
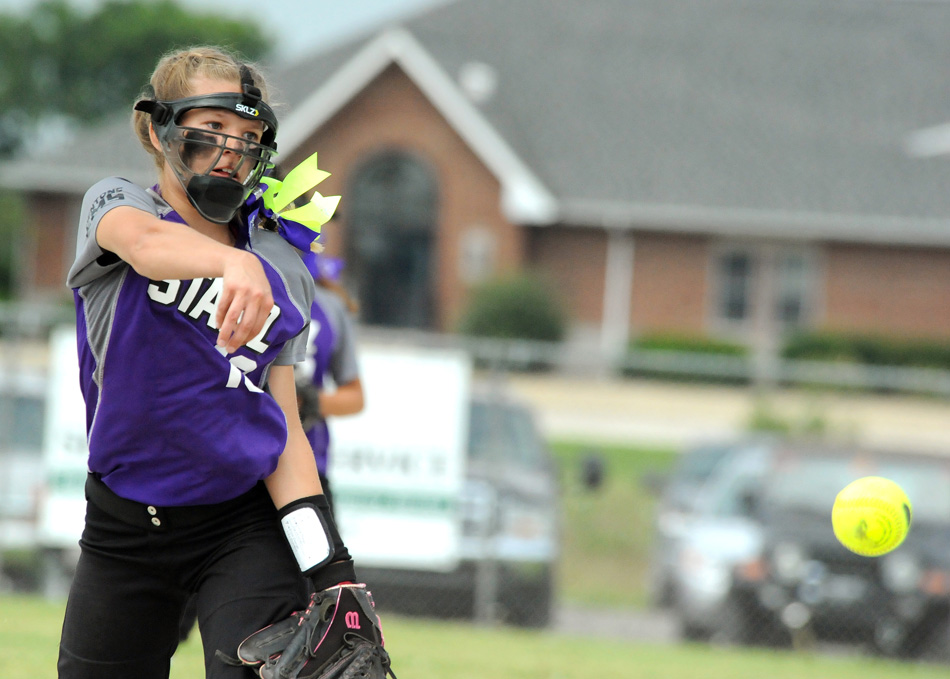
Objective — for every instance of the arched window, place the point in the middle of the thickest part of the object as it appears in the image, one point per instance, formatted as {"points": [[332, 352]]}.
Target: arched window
{"points": [[391, 214]]}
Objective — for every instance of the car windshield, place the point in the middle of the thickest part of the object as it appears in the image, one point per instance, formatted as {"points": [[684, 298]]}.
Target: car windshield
{"points": [[726, 492], [697, 465], [503, 432], [812, 482]]}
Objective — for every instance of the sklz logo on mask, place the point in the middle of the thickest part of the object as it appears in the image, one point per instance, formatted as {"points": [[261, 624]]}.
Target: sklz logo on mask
{"points": [[241, 108]]}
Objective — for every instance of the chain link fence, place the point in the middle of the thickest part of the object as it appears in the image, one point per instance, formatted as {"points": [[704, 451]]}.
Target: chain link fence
{"points": [[738, 557]]}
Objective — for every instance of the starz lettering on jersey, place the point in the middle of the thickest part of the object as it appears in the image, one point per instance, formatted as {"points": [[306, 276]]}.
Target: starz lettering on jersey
{"points": [[198, 298], [104, 198]]}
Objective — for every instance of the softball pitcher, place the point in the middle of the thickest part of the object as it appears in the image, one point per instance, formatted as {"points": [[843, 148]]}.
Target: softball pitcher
{"points": [[192, 308]]}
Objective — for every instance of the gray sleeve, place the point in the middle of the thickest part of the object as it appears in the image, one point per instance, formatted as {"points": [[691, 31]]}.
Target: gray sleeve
{"points": [[343, 362], [92, 261], [299, 284], [294, 351]]}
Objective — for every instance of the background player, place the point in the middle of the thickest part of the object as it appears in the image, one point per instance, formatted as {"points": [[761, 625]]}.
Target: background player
{"points": [[332, 356]]}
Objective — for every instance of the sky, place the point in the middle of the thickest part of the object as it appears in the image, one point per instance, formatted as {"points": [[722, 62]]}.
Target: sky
{"points": [[300, 27]]}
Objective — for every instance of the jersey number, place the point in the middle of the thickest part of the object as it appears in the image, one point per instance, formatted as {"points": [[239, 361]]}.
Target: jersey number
{"points": [[240, 367]]}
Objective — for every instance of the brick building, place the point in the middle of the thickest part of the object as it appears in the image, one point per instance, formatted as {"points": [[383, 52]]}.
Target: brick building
{"points": [[710, 167]]}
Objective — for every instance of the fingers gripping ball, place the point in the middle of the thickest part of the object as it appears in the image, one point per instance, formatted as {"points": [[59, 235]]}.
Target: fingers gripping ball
{"points": [[871, 516]]}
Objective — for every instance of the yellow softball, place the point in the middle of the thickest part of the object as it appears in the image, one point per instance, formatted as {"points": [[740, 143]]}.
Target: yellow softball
{"points": [[871, 516]]}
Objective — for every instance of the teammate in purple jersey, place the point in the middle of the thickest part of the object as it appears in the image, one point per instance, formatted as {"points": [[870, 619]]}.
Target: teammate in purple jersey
{"points": [[328, 382], [201, 480]]}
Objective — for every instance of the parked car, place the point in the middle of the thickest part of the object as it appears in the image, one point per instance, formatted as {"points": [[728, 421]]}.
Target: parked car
{"points": [[805, 585], [681, 506], [721, 532], [510, 523]]}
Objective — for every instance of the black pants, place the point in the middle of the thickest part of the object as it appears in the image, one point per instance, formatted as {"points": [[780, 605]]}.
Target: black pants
{"points": [[190, 613], [133, 579]]}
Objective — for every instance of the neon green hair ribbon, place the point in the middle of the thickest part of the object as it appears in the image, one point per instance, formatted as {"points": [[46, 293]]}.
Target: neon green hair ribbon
{"points": [[312, 215]]}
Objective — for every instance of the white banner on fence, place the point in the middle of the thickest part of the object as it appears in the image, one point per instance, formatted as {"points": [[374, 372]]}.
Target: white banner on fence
{"points": [[397, 468], [63, 510]]}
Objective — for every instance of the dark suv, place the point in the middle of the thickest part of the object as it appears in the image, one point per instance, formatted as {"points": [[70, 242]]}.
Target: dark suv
{"points": [[806, 586]]}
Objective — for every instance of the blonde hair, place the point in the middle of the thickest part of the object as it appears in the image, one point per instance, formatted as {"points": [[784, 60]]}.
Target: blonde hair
{"points": [[173, 76]]}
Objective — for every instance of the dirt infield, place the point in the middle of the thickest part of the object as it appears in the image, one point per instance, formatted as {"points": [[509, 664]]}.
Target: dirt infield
{"points": [[612, 410]]}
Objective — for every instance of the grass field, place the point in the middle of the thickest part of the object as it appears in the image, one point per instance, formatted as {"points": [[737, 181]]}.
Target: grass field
{"points": [[29, 633], [606, 540]]}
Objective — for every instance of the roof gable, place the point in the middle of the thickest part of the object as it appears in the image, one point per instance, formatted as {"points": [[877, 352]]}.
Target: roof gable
{"points": [[524, 198]]}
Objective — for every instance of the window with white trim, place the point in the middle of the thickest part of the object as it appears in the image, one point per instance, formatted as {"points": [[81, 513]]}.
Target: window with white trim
{"points": [[788, 272]]}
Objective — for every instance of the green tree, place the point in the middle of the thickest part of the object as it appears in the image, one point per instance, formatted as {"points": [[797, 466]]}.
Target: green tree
{"points": [[11, 216], [58, 63]]}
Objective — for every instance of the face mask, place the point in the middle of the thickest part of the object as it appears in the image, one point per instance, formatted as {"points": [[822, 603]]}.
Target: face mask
{"points": [[193, 154]]}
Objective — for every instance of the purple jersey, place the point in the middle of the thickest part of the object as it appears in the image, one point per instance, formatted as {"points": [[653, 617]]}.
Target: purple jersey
{"points": [[170, 419]]}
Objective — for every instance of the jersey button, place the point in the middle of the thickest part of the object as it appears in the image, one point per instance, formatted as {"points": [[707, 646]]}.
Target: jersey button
{"points": [[156, 521], [151, 510]]}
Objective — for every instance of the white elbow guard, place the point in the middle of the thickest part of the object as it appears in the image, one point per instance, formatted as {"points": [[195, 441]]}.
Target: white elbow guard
{"points": [[308, 535]]}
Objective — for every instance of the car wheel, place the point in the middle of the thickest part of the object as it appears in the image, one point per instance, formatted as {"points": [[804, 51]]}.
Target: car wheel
{"points": [[688, 629], [691, 632], [930, 641], [530, 605], [737, 626]]}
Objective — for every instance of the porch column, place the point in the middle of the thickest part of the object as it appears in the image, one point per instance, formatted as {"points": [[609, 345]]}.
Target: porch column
{"points": [[618, 288]]}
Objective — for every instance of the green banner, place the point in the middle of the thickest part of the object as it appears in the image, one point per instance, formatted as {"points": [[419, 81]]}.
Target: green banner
{"points": [[414, 503], [66, 481]]}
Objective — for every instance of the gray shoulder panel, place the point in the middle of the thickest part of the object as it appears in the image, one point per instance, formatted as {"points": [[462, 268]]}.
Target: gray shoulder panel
{"points": [[92, 261], [297, 280]]}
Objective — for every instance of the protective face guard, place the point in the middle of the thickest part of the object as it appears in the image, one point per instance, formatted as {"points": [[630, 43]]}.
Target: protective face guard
{"points": [[194, 153]]}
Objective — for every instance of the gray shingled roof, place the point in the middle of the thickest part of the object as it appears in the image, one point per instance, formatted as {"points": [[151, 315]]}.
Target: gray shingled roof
{"points": [[783, 116], [780, 106]]}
